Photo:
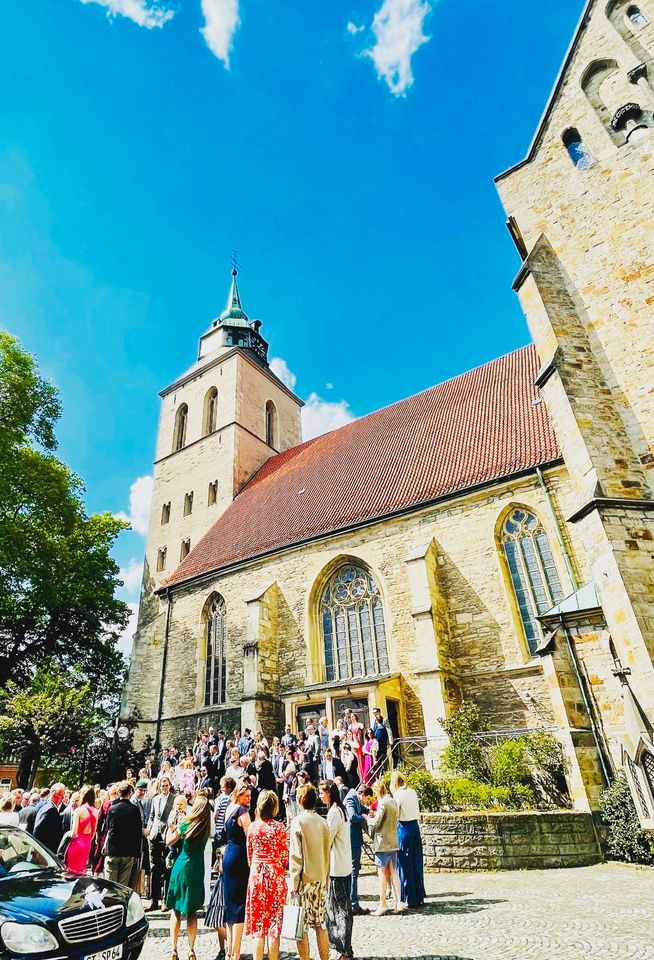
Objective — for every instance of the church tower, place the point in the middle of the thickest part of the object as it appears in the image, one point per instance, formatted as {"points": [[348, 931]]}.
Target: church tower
{"points": [[219, 422]]}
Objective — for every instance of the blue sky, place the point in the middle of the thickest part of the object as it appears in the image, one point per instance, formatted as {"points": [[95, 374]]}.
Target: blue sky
{"points": [[346, 149]]}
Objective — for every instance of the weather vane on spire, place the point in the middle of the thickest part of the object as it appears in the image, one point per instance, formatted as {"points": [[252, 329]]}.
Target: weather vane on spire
{"points": [[234, 261]]}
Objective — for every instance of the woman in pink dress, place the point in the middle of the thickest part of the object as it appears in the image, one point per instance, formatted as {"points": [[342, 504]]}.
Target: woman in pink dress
{"points": [[267, 848], [370, 748], [85, 820], [356, 732]]}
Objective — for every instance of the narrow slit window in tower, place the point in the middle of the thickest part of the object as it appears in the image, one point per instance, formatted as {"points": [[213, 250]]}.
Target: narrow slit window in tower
{"points": [[185, 550], [213, 493], [161, 560], [188, 504], [165, 513], [636, 17]]}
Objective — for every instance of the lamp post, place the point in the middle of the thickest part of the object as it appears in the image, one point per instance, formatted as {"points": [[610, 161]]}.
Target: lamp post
{"points": [[117, 732]]}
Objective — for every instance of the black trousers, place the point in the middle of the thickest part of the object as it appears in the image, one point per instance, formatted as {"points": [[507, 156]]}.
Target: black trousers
{"points": [[160, 873]]}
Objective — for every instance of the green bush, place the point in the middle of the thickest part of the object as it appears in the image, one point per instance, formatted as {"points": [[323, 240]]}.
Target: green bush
{"points": [[626, 840], [465, 754], [428, 788], [465, 794], [510, 764]]}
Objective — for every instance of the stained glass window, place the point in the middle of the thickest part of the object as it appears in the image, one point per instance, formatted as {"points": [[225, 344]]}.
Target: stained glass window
{"points": [[532, 569], [215, 683], [354, 633]]}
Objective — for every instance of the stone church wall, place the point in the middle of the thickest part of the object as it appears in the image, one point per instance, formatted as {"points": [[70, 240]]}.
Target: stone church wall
{"points": [[485, 654]]}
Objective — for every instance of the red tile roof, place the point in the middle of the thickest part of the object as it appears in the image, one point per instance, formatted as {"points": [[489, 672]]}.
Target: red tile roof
{"points": [[478, 427]]}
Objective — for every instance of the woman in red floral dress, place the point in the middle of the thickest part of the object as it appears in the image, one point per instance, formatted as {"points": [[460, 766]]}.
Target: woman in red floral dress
{"points": [[268, 857]]}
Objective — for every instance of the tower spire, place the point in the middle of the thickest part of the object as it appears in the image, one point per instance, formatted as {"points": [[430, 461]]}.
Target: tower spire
{"points": [[234, 309]]}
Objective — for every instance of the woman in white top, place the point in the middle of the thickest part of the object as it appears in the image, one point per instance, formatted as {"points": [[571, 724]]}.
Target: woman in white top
{"points": [[8, 817], [339, 906], [410, 861]]}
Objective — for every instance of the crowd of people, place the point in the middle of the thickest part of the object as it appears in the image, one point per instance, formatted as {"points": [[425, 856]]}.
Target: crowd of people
{"points": [[218, 827]]}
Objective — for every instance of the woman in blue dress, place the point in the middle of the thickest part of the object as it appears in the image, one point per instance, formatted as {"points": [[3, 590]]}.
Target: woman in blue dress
{"points": [[236, 870], [185, 894], [410, 858]]}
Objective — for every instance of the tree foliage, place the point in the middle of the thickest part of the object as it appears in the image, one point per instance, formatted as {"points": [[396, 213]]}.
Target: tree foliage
{"points": [[626, 840], [57, 576]]}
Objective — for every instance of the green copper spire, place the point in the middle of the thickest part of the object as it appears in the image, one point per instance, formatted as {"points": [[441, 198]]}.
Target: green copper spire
{"points": [[233, 312]]}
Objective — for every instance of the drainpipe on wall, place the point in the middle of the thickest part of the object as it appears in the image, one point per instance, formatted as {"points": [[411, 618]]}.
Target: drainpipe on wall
{"points": [[164, 658], [557, 529]]}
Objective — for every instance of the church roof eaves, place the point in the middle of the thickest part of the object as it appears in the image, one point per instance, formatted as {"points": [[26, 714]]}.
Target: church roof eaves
{"points": [[482, 427], [540, 130]]}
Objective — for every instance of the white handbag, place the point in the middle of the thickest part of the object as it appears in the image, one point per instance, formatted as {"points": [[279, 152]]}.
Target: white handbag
{"points": [[293, 922]]}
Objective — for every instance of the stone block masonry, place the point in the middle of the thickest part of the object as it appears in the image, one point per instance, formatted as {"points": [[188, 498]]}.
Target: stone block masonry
{"points": [[509, 841]]}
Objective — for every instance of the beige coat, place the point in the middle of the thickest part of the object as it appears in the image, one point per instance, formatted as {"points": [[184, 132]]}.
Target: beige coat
{"points": [[383, 829], [309, 850]]}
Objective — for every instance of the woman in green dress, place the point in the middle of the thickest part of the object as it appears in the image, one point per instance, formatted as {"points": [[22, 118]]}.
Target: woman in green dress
{"points": [[186, 885]]}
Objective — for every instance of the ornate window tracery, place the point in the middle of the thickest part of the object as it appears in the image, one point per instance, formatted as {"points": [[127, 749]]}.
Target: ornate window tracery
{"points": [[353, 628], [215, 682], [534, 576]]}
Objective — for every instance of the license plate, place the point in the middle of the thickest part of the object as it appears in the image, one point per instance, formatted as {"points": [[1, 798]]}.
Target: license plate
{"points": [[111, 953]]}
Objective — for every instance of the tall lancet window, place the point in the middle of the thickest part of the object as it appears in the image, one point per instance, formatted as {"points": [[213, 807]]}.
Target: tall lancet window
{"points": [[577, 149], [215, 683], [271, 423], [533, 572], [354, 632], [211, 411], [179, 437]]}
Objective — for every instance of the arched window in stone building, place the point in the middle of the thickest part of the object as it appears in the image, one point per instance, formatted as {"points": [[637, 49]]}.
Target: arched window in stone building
{"points": [[210, 411], [179, 436], [533, 573], [636, 17], [271, 423], [353, 628], [577, 149], [215, 677]]}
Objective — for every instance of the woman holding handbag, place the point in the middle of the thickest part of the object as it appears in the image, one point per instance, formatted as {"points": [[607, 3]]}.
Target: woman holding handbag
{"points": [[309, 870], [382, 826], [267, 856]]}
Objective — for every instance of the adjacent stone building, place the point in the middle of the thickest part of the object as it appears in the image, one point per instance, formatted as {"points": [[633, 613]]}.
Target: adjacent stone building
{"points": [[489, 539]]}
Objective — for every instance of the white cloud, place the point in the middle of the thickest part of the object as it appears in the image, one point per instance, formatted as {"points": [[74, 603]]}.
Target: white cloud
{"points": [[140, 498], [398, 30], [320, 416], [353, 28], [280, 368], [147, 13], [126, 638], [221, 21], [131, 575]]}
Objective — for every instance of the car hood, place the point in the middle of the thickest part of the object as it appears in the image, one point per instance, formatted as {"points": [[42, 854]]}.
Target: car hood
{"points": [[50, 896]]}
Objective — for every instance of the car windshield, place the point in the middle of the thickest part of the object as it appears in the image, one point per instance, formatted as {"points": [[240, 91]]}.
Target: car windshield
{"points": [[21, 853]]}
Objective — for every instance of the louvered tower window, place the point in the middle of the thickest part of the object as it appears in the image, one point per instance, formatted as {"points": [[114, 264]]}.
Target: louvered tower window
{"points": [[215, 687], [533, 572], [354, 632]]}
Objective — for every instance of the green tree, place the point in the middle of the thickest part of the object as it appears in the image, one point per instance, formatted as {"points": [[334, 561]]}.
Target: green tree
{"points": [[47, 722], [465, 754], [57, 577]]}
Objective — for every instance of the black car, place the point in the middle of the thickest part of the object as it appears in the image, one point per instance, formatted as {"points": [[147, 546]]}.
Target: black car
{"points": [[47, 912]]}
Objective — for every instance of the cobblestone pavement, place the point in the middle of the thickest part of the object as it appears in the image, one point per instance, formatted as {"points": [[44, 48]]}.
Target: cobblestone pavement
{"points": [[601, 912]]}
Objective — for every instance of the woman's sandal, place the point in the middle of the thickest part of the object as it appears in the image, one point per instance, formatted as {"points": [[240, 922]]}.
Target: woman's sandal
{"points": [[174, 955], [191, 955]]}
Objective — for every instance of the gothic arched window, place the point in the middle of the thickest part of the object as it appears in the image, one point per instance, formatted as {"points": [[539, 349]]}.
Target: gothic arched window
{"points": [[179, 437], [636, 17], [577, 149], [353, 629], [215, 677], [534, 576], [271, 423], [210, 411]]}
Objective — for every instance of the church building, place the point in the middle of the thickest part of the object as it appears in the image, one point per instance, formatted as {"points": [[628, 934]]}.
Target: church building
{"points": [[490, 539]]}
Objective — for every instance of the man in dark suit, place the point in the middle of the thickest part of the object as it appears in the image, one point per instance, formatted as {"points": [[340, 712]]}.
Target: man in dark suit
{"points": [[331, 767], [356, 814], [47, 823], [124, 838], [27, 815]]}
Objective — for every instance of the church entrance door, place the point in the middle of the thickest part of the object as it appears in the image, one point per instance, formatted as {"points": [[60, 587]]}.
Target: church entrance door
{"points": [[358, 705], [311, 713]]}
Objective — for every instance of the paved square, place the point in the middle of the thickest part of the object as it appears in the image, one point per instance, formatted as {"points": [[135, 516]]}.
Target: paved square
{"points": [[601, 912]]}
